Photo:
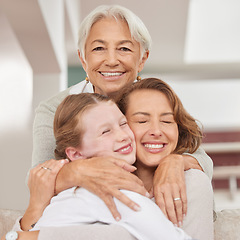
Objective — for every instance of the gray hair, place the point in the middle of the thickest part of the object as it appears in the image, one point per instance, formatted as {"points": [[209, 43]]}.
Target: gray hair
{"points": [[136, 27]]}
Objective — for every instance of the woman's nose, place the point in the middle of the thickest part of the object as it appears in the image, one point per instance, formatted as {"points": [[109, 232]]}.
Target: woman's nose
{"points": [[112, 58], [156, 129]]}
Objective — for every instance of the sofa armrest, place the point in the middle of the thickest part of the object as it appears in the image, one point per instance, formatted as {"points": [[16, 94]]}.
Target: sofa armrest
{"points": [[7, 219]]}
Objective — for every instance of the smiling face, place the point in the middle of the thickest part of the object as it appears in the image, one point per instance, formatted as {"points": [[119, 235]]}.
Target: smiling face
{"points": [[106, 133], [151, 119], [112, 57]]}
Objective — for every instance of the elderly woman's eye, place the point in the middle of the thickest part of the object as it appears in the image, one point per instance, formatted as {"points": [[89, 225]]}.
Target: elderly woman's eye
{"points": [[98, 49], [125, 49]]}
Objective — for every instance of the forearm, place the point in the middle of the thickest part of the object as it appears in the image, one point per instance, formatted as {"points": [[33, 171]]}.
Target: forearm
{"points": [[191, 163], [28, 235], [30, 217], [67, 178]]}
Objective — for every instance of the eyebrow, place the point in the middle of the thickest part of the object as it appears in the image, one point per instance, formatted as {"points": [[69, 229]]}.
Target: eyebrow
{"points": [[119, 43], [126, 41], [147, 114]]}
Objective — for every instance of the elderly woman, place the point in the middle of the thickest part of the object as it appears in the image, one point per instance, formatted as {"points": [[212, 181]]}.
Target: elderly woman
{"points": [[113, 48]]}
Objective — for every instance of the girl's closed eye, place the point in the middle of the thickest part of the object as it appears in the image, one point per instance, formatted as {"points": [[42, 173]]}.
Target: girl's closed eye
{"points": [[123, 123], [105, 131]]}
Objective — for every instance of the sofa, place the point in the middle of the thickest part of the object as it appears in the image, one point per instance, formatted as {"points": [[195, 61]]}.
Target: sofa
{"points": [[226, 223]]}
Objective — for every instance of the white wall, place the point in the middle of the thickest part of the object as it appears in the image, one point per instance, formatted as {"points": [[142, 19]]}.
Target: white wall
{"points": [[15, 120], [214, 102], [32, 68]]}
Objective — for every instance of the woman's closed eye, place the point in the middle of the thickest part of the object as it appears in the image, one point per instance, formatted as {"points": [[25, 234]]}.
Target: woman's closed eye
{"points": [[141, 121], [167, 122]]}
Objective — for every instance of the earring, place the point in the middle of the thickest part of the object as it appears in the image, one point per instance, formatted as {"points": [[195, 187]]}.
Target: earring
{"points": [[87, 79], [139, 78]]}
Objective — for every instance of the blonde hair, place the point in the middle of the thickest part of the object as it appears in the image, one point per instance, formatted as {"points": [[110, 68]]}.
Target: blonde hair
{"points": [[67, 130], [190, 134], [136, 27]]}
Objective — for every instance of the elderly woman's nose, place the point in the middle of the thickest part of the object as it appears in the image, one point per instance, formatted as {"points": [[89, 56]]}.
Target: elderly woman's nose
{"points": [[112, 58]]}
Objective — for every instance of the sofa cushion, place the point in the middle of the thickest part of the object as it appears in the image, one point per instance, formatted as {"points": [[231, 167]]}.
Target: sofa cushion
{"points": [[227, 225]]}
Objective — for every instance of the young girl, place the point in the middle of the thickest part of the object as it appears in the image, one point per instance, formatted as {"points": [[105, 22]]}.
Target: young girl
{"points": [[88, 125]]}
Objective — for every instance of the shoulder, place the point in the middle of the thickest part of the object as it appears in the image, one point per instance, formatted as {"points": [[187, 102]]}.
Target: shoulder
{"points": [[198, 184], [52, 103]]}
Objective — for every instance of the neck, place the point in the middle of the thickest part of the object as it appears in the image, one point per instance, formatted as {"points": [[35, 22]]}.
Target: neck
{"points": [[146, 174]]}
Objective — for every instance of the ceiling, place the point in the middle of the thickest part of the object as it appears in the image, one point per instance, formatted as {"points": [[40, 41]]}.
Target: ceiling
{"points": [[190, 38]]}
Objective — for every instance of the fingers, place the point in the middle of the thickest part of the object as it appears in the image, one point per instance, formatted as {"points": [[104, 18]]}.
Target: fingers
{"points": [[169, 184], [126, 166], [44, 174], [178, 216], [108, 198], [50, 167], [159, 199], [175, 210], [53, 165], [170, 208], [112, 207], [126, 200], [184, 201], [107, 178]]}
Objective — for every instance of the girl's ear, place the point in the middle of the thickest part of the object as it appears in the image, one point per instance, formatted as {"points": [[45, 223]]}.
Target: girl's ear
{"points": [[73, 153]]}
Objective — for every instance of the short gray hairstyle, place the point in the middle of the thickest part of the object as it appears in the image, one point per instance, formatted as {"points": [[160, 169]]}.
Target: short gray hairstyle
{"points": [[136, 27]]}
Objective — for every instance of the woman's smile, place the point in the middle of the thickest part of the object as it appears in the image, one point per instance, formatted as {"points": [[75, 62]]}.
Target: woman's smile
{"points": [[154, 147]]}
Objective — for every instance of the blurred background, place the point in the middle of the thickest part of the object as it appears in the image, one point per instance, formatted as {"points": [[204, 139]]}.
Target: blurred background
{"points": [[195, 49]]}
